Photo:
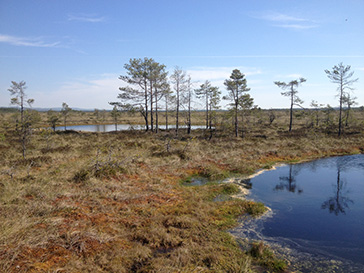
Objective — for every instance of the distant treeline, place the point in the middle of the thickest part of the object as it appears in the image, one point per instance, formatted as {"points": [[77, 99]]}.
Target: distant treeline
{"points": [[8, 110]]}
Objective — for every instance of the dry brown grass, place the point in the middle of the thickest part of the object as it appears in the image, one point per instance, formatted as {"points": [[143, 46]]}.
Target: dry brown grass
{"points": [[114, 202]]}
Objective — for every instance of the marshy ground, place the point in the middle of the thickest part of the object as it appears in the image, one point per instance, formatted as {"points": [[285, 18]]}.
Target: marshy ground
{"points": [[117, 202]]}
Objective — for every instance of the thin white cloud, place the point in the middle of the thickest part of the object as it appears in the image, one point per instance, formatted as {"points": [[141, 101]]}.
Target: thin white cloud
{"points": [[296, 26], [89, 18], [23, 41], [287, 21], [280, 17]]}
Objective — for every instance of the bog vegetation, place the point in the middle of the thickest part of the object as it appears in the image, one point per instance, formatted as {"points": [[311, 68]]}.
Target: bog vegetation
{"points": [[121, 201], [116, 202]]}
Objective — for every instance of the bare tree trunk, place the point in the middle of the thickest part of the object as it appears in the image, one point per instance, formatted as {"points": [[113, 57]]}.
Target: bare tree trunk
{"points": [[156, 110], [65, 123], [347, 111], [166, 114], [210, 120], [23, 141], [177, 107], [236, 118], [207, 111], [340, 110], [146, 107], [189, 113], [151, 107], [242, 121], [291, 111], [23, 129]]}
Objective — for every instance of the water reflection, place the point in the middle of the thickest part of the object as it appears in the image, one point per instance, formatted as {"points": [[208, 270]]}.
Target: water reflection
{"points": [[338, 203], [327, 218], [289, 182]]}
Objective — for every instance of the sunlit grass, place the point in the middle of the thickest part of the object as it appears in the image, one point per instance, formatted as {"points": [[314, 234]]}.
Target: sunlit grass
{"points": [[115, 202]]}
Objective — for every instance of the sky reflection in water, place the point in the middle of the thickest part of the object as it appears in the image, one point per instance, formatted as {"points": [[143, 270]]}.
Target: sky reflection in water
{"points": [[319, 204]]}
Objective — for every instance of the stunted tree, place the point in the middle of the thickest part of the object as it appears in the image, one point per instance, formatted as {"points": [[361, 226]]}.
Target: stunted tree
{"points": [[328, 111], [17, 90], [135, 96], [188, 98], [157, 80], [316, 110], [292, 94], [272, 116], [161, 88], [245, 104], [179, 81], [143, 77], [115, 114], [65, 112], [97, 115], [349, 101], [211, 95], [169, 99], [342, 76], [214, 94], [236, 86], [53, 119]]}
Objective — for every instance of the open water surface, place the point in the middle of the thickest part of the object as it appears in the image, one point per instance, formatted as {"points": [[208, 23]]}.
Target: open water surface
{"points": [[317, 208], [120, 127]]}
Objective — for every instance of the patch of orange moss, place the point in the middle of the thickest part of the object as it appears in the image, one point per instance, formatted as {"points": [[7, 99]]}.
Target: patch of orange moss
{"points": [[40, 259]]}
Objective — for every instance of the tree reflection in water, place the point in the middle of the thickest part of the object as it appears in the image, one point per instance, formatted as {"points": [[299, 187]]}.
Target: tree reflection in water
{"points": [[338, 203], [289, 182]]}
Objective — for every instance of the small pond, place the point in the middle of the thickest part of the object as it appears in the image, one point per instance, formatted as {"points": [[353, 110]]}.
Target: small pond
{"points": [[317, 208], [120, 127]]}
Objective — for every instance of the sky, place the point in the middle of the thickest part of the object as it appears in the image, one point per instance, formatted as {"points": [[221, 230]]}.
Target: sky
{"points": [[74, 51]]}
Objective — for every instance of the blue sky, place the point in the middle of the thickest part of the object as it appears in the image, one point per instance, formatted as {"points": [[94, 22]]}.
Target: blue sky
{"points": [[73, 51]]}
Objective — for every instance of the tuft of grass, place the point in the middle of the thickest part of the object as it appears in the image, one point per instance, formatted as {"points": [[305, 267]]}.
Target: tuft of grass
{"points": [[229, 189], [265, 257], [212, 172], [255, 209], [81, 176], [108, 170]]}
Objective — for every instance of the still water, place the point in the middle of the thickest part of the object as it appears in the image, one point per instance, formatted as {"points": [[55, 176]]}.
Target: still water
{"points": [[317, 207], [120, 127]]}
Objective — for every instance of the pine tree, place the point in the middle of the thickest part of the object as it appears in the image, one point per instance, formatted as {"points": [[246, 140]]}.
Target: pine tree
{"points": [[341, 75], [20, 98], [237, 86], [292, 94]]}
